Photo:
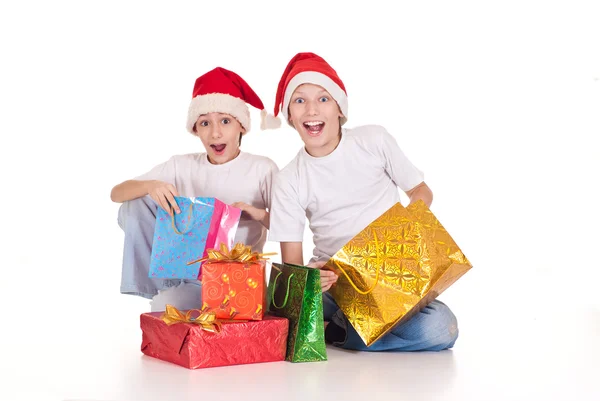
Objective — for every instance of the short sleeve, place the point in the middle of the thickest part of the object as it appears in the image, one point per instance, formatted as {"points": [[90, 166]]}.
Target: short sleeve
{"points": [[402, 171], [287, 216], [163, 172]]}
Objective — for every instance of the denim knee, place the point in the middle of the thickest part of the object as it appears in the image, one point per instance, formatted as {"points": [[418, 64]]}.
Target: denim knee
{"points": [[143, 208], [440, 326]]}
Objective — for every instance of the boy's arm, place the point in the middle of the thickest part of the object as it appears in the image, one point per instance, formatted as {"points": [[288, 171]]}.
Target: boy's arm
{"points": [[402, 171], [157, 183], [291, 252], [130, 189], [266, 188], [421, 192], [288, 229], [162, 193], [260, 215]]}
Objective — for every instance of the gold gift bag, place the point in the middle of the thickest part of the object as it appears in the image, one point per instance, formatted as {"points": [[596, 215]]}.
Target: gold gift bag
{"points": [[393, 268]]}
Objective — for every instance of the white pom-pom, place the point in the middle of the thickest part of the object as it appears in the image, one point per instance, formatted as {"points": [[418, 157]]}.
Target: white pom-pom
{"points": [[269, 121]]}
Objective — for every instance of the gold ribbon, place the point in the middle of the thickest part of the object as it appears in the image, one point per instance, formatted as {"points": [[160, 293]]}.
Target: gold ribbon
{"points": [[239, 253], [206, 320]]}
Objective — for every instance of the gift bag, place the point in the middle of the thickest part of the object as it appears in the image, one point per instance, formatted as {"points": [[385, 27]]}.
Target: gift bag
{"points": [[393, 268], [295, 293], [203, 223], [233, 283]]}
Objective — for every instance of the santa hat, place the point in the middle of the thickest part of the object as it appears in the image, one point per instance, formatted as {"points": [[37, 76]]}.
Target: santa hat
{"points": [[308, 68], [224, 91]]}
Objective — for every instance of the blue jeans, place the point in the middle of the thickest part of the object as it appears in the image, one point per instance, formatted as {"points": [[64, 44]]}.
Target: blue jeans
{"points": [[137, 218], [434, 328]]}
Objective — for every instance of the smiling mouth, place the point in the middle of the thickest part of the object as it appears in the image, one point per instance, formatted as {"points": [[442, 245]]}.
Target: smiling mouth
{"points": [[219, 148], [314, 128]]}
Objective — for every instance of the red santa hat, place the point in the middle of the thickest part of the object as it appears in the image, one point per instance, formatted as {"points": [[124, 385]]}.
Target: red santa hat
{"points": [[308, 68], [224, 91]]}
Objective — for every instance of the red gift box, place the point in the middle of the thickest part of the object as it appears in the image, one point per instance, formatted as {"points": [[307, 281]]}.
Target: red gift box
{"points": [[193, 346]]}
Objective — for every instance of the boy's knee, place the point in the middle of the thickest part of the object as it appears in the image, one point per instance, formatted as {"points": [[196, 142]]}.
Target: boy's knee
{"points": [[137, 209], [434, 328], [184, 296], [443, 327]]}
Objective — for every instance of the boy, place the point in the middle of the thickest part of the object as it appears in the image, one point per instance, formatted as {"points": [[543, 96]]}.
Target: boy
{"points": [[342, 180], [219, 117]]}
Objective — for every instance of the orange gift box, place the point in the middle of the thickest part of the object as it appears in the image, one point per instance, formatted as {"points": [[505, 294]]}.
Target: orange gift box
{"points": [[233, 283]]}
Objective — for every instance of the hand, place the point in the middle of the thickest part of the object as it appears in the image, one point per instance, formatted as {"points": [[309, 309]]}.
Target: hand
{"points": [[328, 278], [163, 193], [254, 212]]}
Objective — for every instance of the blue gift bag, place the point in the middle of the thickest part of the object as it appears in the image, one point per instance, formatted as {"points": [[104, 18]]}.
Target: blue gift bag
{"points": [[184, 237]]}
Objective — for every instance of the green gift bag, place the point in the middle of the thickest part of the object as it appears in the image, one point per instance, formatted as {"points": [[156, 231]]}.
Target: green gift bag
{"points": [[295, 293]]}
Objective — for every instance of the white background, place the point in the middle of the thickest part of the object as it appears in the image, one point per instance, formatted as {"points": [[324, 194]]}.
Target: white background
{"points": [[498, 104]]}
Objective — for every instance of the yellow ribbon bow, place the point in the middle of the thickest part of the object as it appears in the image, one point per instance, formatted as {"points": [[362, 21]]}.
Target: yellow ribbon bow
{"points": [[239, 253], [207, 320]]}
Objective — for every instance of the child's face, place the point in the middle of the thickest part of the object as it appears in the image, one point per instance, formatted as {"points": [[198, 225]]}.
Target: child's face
{"points": [[315, 115], [220, 135]]}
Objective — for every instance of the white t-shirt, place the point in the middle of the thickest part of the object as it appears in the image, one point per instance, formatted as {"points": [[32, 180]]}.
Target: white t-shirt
{"points": [[247, 178], [340, 193]]}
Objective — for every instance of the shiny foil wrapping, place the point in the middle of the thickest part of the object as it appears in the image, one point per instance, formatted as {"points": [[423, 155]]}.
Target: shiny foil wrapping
{"points": [[295, 293], [393, 268], [234, 290], [237, 343]]}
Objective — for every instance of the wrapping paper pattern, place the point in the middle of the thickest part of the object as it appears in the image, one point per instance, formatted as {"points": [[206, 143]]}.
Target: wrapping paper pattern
{"points": [[296, 295], [237, 343], [393, 268], [234, 290], [203, 223]]}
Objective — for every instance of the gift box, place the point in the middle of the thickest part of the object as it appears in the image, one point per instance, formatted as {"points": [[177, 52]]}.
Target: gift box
{"points": [[393, 268], [233, 283], [202, 224], [204, 341], [295, 293]]}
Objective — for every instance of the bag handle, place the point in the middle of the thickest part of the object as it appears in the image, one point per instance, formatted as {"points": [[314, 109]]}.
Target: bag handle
{"points": [[190, 215], [287, 293], [368, 291]]}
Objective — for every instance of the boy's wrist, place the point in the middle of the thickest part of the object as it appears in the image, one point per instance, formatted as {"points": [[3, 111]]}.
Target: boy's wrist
{"points": [[149, 185]]}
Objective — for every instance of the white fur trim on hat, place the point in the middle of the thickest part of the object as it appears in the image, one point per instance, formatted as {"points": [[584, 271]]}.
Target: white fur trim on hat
{"points": [[316, 78], [218, 103], [269, 121]]}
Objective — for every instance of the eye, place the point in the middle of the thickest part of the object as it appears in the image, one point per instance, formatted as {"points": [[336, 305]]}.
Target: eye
{"points": [[298, 100], [225, 121], [323, 99], [203, 123]]}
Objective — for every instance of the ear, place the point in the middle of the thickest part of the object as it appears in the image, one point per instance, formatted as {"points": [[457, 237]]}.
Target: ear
{"points": [[289, 118]]}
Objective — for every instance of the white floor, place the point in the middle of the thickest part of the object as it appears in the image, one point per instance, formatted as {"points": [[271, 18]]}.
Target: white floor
{"points": [[511, 347]]}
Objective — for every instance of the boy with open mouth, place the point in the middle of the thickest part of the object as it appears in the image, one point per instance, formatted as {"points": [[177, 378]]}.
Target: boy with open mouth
{"points": [[368, 162], [219, 116]]}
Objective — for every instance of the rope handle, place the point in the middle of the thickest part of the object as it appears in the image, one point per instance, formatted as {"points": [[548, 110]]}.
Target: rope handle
{"points": [[287, 293], [364, 292], [190, 215]]}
